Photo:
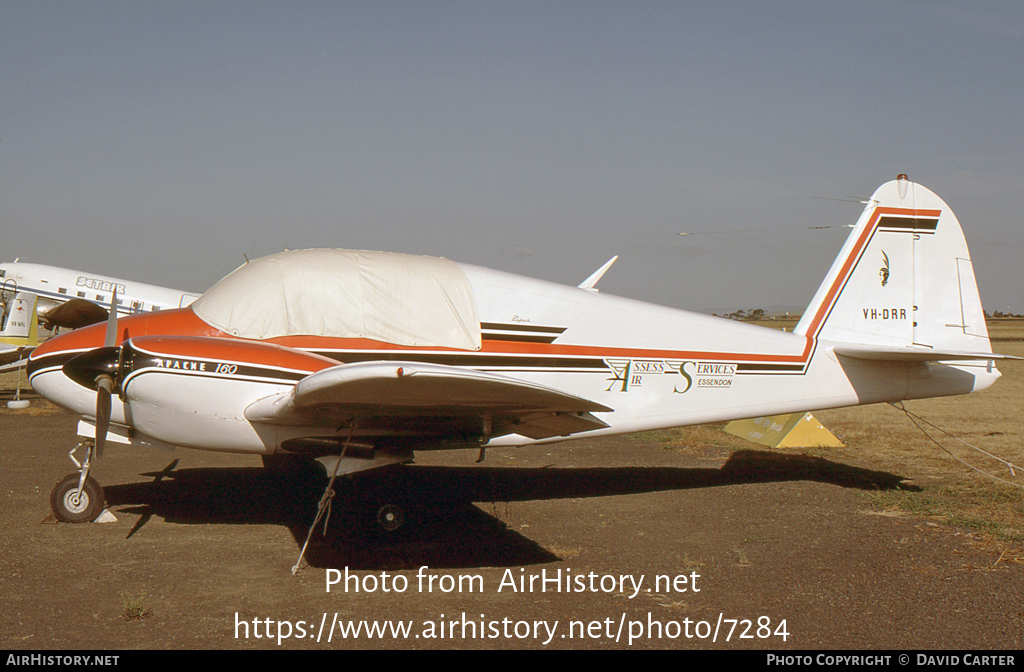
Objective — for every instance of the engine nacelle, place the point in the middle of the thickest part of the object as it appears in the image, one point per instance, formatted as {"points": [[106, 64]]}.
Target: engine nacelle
{"points": [[193, 391]]}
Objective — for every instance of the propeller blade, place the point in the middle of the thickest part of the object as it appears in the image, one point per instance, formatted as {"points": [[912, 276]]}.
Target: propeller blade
{"points": [[104, 387], [98, 369], [111, 337]]}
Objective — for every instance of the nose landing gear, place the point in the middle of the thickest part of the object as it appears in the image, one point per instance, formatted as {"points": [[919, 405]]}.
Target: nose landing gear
{"points": [[78, 498], [73, 505]]}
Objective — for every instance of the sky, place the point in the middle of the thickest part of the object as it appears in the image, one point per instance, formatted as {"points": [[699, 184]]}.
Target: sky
{"points": [[164, 142]]}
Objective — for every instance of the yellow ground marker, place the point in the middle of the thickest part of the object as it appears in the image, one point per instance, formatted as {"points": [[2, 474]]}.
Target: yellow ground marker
{"points": [[793, 430]]}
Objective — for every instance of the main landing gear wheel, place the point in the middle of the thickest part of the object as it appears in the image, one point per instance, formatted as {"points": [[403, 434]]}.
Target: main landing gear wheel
{"points": [[390, 517], [70, 506]]}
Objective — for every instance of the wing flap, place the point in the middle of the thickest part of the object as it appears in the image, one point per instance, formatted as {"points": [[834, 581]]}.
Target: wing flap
{"points": [[428, 400], [547, 425]]}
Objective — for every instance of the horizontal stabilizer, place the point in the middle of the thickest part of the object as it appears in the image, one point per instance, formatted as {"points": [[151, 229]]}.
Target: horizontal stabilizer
{"points": [[913, 354]]}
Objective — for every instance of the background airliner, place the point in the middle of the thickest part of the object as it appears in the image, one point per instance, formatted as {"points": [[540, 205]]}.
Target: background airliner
{"points": [[74, 299], [63, 297]]}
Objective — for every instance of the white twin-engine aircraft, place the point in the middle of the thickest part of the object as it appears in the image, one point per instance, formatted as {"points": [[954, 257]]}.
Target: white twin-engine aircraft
{"points": [[358, 359]]}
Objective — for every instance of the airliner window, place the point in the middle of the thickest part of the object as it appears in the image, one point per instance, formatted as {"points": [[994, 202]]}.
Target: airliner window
{"points": [[81, 295], [62, 290]]}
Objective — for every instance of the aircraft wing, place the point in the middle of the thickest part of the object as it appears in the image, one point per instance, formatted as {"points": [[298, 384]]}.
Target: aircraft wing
{"points": [[913, 354], [428, 402], [74, 314]]}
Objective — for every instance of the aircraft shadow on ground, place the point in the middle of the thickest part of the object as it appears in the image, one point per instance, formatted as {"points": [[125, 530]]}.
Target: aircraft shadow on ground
{"points": [[442, 528]]}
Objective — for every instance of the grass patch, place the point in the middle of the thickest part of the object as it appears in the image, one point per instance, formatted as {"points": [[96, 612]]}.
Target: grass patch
{"points": [[951, 508], [134, 606]]}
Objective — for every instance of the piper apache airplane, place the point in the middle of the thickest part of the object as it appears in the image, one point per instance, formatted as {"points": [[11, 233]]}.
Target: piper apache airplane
{"points": [[359, 359]]}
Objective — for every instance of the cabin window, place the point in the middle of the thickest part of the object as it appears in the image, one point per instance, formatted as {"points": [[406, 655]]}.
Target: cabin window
{"points": [[81, 295], [62, 290]]}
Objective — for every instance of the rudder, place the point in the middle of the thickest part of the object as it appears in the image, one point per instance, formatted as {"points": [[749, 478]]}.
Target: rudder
{"points": [[21, 327]]}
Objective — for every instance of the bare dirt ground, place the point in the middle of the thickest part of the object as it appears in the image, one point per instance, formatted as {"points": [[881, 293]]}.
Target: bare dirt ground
{"points": [[205, 541], [888, 543]]}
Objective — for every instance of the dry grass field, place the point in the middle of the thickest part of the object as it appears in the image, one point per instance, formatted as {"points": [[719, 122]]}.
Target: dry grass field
{"points": [[941, 486]]}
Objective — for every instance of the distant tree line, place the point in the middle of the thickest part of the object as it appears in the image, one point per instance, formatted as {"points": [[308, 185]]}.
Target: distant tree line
{"points": [[754, 314], [759, 314]]}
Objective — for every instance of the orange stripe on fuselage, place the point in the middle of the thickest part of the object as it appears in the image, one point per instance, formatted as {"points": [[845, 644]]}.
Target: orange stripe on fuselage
{"points": [[258, 353]]}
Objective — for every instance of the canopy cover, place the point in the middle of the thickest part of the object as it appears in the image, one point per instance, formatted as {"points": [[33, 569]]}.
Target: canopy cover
{"points": [[385, 296]]}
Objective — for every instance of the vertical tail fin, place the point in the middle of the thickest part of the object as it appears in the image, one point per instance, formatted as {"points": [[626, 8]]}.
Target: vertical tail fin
{"points": [[22, 325], [903, 279]]}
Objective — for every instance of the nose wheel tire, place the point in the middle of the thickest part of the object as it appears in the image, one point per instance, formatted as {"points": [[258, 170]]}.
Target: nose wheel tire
{"points": [[390, 517], [70, 506]]}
